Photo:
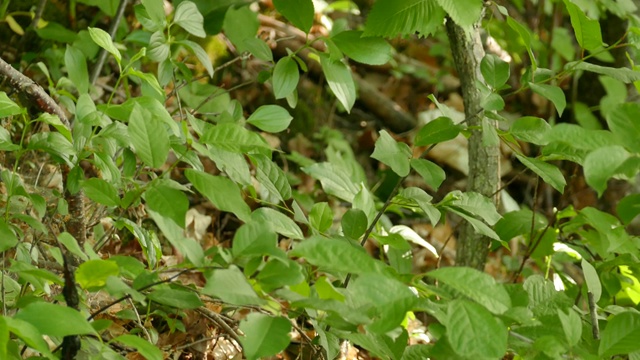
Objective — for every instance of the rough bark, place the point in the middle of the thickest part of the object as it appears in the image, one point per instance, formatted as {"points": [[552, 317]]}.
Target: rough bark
{"points": [[473, 248]]}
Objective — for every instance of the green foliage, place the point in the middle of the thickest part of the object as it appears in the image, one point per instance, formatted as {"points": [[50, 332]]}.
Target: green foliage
{"points": [[177, 141]]}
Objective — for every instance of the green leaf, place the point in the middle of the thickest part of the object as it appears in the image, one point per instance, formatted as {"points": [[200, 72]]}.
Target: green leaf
{"points": [[298, 12], [231, 286], [146, 349], [168, 202], [339, 255], [473, 332], [592, 279], [628, 208], [587, 30], [55, 121], [240, 24], [571, 325], [465, 13], [525, 35], [222, 192], [258, 48], [72, 245], [277, 222], [235, 138], [264, 335], [149, 137], [7, 106], [285, 77], [92, 274], [390, 18], [623, 122], [436, 131], [531, 129], [4, 338], [271, 177], [188, 17], [476, 205], [423, 200], [394, 154], [354, 223], [549, 173], [432, 174], [202, 55], [279, 272], [255, 239], [270, 118], [101, 192], [340, 81], [334, 179], [621, 335], [181, 299], [625, 75], [159, 49], [602, 164], [8, 238], [476, 285], [553, 93], [478, 226], [76, 64], [103, 40], [29, 334], [60, 320], [321, 216], [494, 70], [367, 50], [155, 10]]}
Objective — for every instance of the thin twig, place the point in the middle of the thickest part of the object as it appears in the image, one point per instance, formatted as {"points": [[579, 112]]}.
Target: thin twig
{"points": [[595, 327]]}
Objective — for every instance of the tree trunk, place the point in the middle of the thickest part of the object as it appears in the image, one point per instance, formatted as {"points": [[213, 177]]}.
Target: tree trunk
{"points": [[484, 178]]}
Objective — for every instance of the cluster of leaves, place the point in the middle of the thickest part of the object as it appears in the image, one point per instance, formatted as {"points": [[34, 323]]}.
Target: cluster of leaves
{"points": [[325, 279]]}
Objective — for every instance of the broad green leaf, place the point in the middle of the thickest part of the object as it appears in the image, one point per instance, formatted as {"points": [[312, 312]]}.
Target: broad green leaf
{"points": [[476, 205], [464, 13], [519, 222], [531, 129], [233, 164], [92, 274], [625, 75], [101, 192], [621, 335], [476, 285], [592, 279], [232, 287], [149, 137], [494, 70], [240, 23], [235, 138], [390, 18], [254, 239], [271, 177], [72, 246], [298, 12], [103, 40], [321, 216], [188, 17], [587, 30], [549, 173], [7, 106], [222, 192], [202, 55], [8, 238], [340, 81], [76, 64], [264, 335], [29, 334], [364, 201], [258, 48], [387, 308], [279, 272], [553, 93], [432, 174], [336, 254], [285, 77], [628, 208], [571, 325], [155, 11], [527, 40], [55, 121], [479, 226], [602, 164], [394, 154], [354, 223], [424, 202], [623, 122], [335, 180], [581, 138], [270, 118], [544, 299], [168, 202], [436, 131], [277, 222], [473, 332], [180, 299], [146, 349], [4, 338], [159, 49], [142, 15], [60, 320], [366, 50]]}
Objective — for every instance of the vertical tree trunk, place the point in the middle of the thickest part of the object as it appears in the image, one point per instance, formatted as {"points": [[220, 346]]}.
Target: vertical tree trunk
{"points": [[484, 178]]}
